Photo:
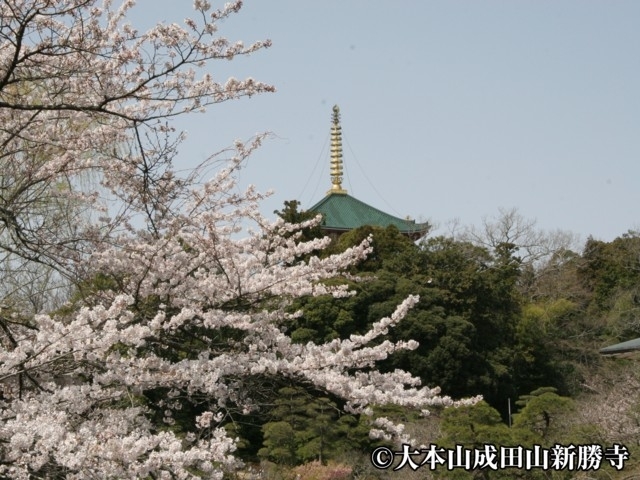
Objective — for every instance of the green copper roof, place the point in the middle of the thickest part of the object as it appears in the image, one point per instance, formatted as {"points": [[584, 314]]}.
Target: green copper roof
{"points": [[342, 212], [624, 347]]}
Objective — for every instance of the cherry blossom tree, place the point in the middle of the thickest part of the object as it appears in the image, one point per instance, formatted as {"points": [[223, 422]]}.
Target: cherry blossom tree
{"points": [[84, 94], [180, 306]]}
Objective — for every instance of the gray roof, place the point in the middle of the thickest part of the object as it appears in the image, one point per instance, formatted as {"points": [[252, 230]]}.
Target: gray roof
{"points": [[624, 347]]}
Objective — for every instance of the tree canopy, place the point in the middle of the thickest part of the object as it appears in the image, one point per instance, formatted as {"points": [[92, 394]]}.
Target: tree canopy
{"points": [[178, 322]]}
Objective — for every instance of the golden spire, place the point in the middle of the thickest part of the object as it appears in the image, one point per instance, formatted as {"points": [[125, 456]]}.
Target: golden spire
{"points": [[336, 153]]}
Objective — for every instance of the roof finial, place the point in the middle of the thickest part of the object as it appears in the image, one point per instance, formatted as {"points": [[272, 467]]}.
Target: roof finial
{"points": [[336, 153]]}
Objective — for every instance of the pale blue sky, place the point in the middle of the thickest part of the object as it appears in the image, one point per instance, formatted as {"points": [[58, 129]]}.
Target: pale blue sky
{"points": [[450, 108]]}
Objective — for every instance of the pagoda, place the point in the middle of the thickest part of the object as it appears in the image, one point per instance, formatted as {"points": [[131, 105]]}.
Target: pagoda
{"points": [[341, 212]]}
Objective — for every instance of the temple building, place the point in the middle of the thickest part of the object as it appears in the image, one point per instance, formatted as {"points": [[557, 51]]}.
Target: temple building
{"points": [[341, 212]]}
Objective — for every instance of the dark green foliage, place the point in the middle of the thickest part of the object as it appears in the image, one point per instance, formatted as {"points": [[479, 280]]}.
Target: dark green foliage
{"points": [[388, 246], [473, 426], [610, 266], [611, 272], [486, 323], [279, 443], [291, 213], [576, 304], [307, 427], [325, 318], [466, 321], [540, 421]]}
